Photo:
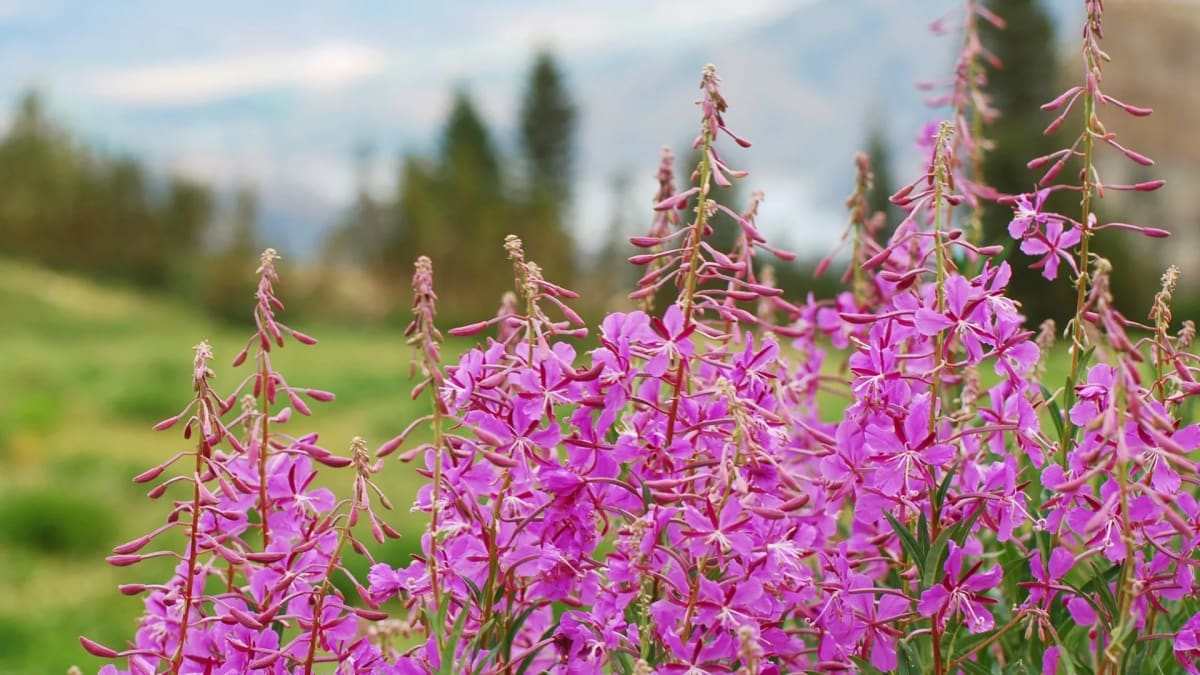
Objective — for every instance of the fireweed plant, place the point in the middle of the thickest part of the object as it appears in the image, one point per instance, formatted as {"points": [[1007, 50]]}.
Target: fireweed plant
{"points": [[672, 500]]}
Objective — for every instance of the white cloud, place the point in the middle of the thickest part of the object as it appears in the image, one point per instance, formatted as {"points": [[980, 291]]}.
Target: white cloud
{"points": [[322, 67], [11, 10]]}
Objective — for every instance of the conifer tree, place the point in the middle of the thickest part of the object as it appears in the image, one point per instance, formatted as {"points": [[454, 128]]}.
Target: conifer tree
{"points": [[548, 122]]}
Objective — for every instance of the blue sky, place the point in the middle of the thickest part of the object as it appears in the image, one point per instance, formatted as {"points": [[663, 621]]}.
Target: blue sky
{"points": [[280, 94]]}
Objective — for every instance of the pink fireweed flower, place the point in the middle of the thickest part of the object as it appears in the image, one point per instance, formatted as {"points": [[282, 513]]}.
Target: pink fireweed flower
{"points": [[1053, 245], [906, 449], [962, 592], [1047, 582], [1187, 645], [1028, 216]]}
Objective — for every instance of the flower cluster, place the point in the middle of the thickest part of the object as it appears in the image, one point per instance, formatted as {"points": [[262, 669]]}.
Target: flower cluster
{"points": [[253, 591], [671, 498]]}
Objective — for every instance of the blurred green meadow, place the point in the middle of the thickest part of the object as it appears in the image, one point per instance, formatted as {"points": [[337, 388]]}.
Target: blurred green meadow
{"points": [[86, 371]]}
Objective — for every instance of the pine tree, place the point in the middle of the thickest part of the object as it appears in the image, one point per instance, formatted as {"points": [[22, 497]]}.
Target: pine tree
{"points": [[878, 199], [548, 121], [1027, 78], [473, 213], [224, 284]]}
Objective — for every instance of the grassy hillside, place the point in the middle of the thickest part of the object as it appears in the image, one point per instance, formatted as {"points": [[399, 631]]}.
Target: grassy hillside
{"points": [[85, 372]]}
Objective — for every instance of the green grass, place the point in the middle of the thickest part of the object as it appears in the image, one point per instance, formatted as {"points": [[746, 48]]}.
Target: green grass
{"points": [[87, 372]]}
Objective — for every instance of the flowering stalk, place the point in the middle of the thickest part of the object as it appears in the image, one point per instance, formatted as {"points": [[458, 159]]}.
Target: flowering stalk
{"points": [[274, 608], [423, 335]]}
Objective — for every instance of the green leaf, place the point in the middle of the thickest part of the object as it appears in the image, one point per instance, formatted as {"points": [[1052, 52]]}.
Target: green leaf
{"points": [[476, 594], [1056, 416], [939, 499], [910, 545], [923, 531], [1101, 582], [974, 668], [864, 666], [1017, 668], [907, 661], [1086, 358], [513, 629], [933, 559], [1065, 659], [968, 643], [447, 649]]}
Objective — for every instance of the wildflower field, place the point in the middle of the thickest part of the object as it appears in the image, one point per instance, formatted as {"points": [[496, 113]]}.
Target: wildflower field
{"points": [[906, 477]]}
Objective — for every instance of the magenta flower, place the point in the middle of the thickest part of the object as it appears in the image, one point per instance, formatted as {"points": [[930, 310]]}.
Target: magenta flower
{"points": [[1048, 577], [1053, 246], [1187, 645], [962, 592], [907, 451], [1028, 217]]}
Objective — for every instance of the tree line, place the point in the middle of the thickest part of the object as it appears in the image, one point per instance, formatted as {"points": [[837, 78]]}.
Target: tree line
{"points": [[457, 205], [71, 208]]}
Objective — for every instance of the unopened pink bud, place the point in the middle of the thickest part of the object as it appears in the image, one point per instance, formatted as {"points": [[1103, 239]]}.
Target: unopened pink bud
{"points": [[320, 395], [585, 375], [302, 338], [167, 423], [389, 447], [767, 512], [645, 242], [335, 462], [229, 554], [299, 404], [149, 474], [643, 292], [1061, 98], [822, 266], [1055, 124], [1052, 172], [736, 139], [858, 319], [469, 329], [133, 545], [498, 459], [766, 291], [795, 503], [96, 649], [245, 619], [265, 662], [1136, 111], [123, 560], [676, 202]]}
